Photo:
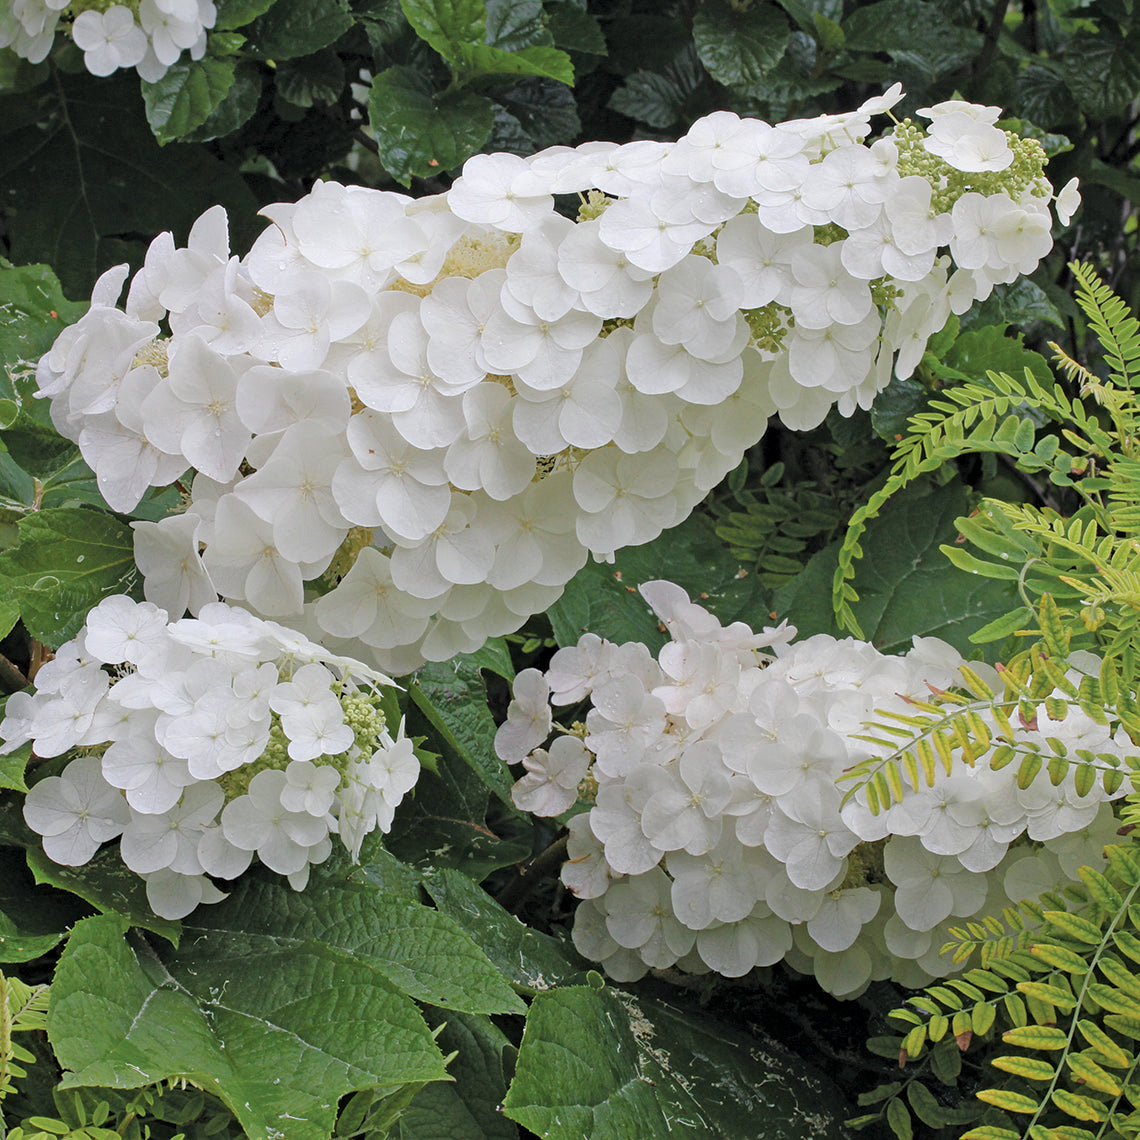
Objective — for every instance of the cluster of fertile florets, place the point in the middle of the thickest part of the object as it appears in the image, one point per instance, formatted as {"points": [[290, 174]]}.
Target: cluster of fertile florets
{"points": [[148, 35], [202, 743], [716, 837], [411, 421]]}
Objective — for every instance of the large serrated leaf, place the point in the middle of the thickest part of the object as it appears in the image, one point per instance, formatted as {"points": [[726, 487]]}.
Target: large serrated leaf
{"points": [[479, 61], [85, 184], [468, 1108], [68, 558], [276, 1027], [453, 697], [444, 23], [421, 131], [527, 957], [906, 587], [422, 952], [34, 312], [186, 95], [740, 43], [612, 1066]]}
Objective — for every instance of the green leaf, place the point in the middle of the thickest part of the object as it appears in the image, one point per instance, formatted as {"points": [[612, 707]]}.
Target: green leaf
{"points": [[445, 23], [603, 598], [298, 27], [453, 697], [610, 1066], [421, 131], [905, 585], [660, 98], [33, 919], [185, 97], [467, 1108], [68, 558], [316, 78], [106, 884], [237, 13], [988, 349], [86, 176], [277, 1026], [13, 765], [421, 951], [474, 61], [528, 958], [1102, 72], [899, 1120], [515, 24], [445, 824], [235, 109], [574, 29], [35, 312], [1036, 1037], [738, 43]]}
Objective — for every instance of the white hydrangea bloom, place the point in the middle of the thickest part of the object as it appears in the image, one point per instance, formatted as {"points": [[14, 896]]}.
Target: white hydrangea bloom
{"points": [[223, 737], [713, 834]]}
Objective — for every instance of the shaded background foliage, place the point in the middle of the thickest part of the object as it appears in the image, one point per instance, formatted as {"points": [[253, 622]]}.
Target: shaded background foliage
{"points": [[397, 94]]}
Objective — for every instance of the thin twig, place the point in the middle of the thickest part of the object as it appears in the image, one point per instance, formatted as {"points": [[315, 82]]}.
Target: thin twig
{"points": [[515, 892], [10, 676]]}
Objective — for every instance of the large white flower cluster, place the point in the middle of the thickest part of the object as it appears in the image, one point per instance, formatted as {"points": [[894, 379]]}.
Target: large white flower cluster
{"points": [[716, 839], [411, 420], [148, 35], [202, 743]]}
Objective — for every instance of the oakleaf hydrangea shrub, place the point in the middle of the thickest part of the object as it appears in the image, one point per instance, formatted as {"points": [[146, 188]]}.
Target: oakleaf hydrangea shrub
{"points": [[148, 35], [411, 420], [203, 743], [713, 833]]}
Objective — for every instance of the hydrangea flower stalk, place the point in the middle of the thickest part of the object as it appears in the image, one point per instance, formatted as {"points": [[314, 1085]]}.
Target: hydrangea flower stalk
{"points": [[712, 833], [410, 421], [201, 744]]}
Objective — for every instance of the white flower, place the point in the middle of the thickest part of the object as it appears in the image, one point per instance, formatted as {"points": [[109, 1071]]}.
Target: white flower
{"points": [[76, 812], [528, 720], [109, 40], [550, 785], [1068, 201]]}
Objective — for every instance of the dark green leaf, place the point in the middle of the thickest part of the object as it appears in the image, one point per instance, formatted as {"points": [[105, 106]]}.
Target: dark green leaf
{"points": [[738, 43], [298, 27], [33, 919], [235, 109], [453, 697], [894, 406], [515, 24], [528, 958], [467, 1107], [67, 559], [1016, 304], [237, 13], [660, 98], [906, 586], [85, 179], [925, 1107], [185, 97], [1102, 72], [545, 109], [421, 131], [277, 1027], [107, 884], [603, 597], [608, 1066], [13, 766], [316, 78], [574, 29], [899, 1119], [473, 61]]}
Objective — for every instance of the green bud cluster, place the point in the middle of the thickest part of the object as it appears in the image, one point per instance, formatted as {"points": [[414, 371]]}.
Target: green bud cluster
{"points": [[362, 713], [769, 325], [77, 6], [828, 234], [347, 553], [594, 204], [1026, 172], [884, 293], [275, 757]]}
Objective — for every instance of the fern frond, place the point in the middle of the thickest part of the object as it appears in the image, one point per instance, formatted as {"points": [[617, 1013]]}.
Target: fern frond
{"points": [[1109, 317]]}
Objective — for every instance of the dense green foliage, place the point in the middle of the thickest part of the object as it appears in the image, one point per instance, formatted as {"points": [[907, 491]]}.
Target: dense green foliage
{"points": [[994, 506]]}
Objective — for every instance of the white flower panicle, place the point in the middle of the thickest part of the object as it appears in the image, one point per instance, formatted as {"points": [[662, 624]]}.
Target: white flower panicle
{"points": [[440, 407], [208, 742], [148, 35], [712, 834]]}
